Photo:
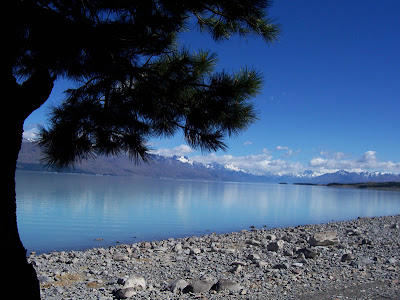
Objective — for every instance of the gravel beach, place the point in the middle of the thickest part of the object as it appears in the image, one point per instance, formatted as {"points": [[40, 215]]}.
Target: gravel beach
{"points": [[357, 259]]}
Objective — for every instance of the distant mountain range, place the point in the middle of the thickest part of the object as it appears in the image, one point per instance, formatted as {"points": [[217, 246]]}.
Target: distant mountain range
{"points": [[29, 159], [184, 168]]}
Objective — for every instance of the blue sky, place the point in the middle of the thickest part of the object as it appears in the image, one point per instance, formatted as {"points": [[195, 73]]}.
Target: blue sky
{"points": [[331, 97]]}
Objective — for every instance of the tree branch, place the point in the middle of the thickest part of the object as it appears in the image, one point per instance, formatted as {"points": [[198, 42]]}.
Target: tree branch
{"points": [[35, 91]]}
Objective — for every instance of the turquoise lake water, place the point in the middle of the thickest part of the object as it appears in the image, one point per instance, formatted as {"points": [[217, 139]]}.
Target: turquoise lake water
{"points": [[69, 211]]}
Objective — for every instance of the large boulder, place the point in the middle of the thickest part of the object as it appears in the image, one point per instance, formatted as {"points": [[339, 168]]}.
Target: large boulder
{"points": [[325, 238], [130, 286], [199, 286], [275, 246], [178, 285], [227, 284], [135, 281]]}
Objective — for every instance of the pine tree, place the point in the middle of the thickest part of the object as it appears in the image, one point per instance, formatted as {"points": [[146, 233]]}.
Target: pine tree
{"points": [[133, 83]]}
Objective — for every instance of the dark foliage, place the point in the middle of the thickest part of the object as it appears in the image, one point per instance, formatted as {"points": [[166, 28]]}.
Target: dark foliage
{"points": [[132, 80]]}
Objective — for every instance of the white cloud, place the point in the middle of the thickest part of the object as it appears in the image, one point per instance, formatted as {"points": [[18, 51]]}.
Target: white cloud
{"points": [[339, 155], [334, 155], [318, 162], [266, 151], [30, 134], [265, 162], [181, 150], [367, 162], [247, 143], [324, 153], [256, 164], [290, 153], [278, 148], [368, 157]]}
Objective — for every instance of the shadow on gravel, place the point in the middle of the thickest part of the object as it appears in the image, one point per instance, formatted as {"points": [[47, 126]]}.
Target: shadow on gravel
{"points": [[373, 290]]}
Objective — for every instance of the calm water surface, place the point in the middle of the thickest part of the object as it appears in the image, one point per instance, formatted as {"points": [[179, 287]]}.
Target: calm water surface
{"points": [[67, 211]]}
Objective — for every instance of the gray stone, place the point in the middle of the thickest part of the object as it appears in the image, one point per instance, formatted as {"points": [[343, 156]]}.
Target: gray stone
{"points": [[253, 242], [135, 281], [120, 257], [287, 238], [229, 250], [301, 256], [288, 252], [146, 245], [325, 238], [297, 271], [254, 257], [275, 246], [62, 259], [271, 237], [281, 266], [236, 269], [45, 279], [161, 249], [178, 247], [199, 286], [347, 257], [261, 263], [353, 232], [363, 262], [195, 251], [297, 264], [308, 253], [125, 293], [238, 262], [366, 242], [178, 285], [391, 260], [227, 284]]}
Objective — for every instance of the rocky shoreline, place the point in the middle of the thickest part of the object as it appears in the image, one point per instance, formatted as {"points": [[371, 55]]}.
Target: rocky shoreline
{"points": [[358, 259]]}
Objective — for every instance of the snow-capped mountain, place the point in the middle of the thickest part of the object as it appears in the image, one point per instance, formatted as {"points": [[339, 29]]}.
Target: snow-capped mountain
{"points": [[183, 159], [343, 176], [182, 167]]}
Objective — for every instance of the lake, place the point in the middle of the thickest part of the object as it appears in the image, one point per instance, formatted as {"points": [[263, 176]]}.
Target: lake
{"points": [[59, 211]]}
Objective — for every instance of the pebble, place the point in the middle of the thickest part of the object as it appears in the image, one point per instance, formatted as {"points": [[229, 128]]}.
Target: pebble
{"points": [[309, 253], [124, 293], [347, 257], [356, 259], [120, 257]]}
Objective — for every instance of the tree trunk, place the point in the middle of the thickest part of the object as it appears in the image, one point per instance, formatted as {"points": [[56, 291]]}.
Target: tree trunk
{"points": [[20, 280], [19, 273]]}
